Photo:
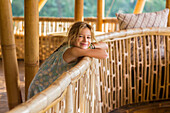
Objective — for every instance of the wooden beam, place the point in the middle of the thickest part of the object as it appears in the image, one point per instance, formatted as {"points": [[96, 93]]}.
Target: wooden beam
{"points": [[100, 14], [139, 6], [41, 4], [78, 10], [9, 54], [31, 41], [168, 6]]}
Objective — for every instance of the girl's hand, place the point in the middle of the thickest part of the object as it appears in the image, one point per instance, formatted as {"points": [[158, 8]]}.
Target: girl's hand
{"points": [[101, 45]]}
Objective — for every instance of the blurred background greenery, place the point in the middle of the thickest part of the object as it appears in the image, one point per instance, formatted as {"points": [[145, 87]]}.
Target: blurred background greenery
{"points": [[65, 8]]}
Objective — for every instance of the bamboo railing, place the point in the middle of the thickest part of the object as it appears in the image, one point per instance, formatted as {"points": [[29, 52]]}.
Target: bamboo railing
{"points": [[136, 71], [48, 25]]}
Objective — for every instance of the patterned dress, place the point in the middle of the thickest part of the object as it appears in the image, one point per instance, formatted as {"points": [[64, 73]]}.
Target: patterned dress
{"points": [[49, 71]]}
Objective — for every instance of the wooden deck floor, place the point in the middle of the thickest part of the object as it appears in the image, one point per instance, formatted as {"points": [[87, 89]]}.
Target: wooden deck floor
{"points": [[3, 95]]}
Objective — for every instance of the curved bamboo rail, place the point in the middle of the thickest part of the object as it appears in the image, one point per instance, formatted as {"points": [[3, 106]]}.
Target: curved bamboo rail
{"points": [[136, 71]]}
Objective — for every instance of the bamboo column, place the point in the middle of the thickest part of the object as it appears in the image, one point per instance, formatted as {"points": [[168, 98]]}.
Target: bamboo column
{"points": [[41, 4], [31, 41], [78, 10], [9, 54], [100, 14], [139, 6], [168, 6]]}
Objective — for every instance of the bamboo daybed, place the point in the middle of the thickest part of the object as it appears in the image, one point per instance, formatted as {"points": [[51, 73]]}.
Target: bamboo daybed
{"points": [[129, 76]]}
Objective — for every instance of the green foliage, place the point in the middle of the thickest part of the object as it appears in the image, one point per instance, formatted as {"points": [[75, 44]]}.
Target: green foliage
{"points": [[18, 7], [65, 8]]}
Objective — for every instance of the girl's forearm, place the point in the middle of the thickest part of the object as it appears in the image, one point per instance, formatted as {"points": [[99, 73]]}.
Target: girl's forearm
{"points": [[97, 53]]}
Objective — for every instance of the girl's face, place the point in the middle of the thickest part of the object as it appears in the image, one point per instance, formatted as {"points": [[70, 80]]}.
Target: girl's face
{"points": [[84, 39]]}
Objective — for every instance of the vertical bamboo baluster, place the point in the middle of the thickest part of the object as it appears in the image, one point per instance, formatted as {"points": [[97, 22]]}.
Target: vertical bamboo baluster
{"points": [[91, 81], [102, 85], [85, 91], [100, 14], [105, 83], [128, 71], [139, 6], [110, 73], [156, 74], [145, 65], [160, 69], [164, 61], [109, 80], [76, 96], [152, 69], [97, 86], [162, 73], [53, 26], [69, 100], [149, 66], [43, 28], [78, 10], [132, 60], [116, 76], [121, 68], [137, 75], [31, 41], [81, 100], [9, 54], [124, 47]]}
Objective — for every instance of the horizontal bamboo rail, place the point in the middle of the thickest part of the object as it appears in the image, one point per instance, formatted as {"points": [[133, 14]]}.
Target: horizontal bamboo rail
{"points": [[136, 71], [48, 25]]}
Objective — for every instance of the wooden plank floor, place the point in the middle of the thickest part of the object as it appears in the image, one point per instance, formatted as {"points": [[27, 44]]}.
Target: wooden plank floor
{"points": [[3, 95]]}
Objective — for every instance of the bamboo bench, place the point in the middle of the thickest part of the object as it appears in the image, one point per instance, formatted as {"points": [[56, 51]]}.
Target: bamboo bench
{"points": [[100, 86]]}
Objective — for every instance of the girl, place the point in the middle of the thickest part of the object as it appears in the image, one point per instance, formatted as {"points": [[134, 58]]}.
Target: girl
{"points": [[78, 44]]}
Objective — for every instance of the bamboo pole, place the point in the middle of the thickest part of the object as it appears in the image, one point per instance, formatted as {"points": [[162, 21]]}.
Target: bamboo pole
{"points": [[168, 6], [9, 54], [78, 10], [139, 6], [100, 14], [41, 4], [31, 41], [69, 100]]}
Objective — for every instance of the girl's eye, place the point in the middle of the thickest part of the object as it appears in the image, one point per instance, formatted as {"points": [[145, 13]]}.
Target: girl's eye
{"points": [[80, 36], [89, 37]]}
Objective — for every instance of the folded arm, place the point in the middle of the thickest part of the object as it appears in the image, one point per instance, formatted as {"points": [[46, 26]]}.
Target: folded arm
{"points": [[73, 53]]}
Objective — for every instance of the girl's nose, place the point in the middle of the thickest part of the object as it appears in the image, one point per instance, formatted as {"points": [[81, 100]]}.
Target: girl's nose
{"points": [[85, 38]]}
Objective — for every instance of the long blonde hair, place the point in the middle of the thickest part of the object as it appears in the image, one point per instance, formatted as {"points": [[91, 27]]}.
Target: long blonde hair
{"points": [[73, 33]]}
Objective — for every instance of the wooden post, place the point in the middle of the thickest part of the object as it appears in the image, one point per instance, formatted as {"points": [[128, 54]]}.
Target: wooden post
{"points": [[100, 14], [9, 54], [168, 6], [139, 6], [41, 4], [78, 10], [31, 41]]}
